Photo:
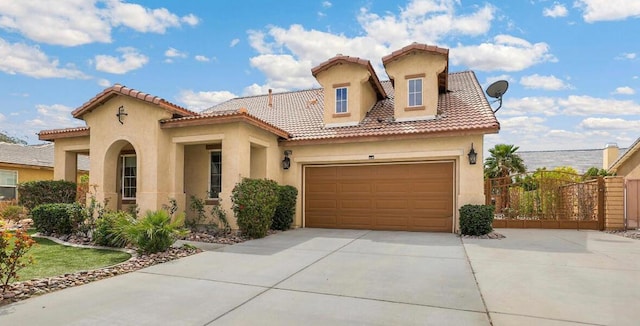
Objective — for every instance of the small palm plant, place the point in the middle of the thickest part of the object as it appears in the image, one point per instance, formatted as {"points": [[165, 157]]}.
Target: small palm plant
{"points": [[154, 232]]}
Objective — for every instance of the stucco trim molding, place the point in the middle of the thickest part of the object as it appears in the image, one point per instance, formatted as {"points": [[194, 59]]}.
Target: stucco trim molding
{"points": [[380, 157], [198, 139]]}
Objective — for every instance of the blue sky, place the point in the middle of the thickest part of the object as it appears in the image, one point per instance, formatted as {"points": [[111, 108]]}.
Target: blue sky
{"points": [[573, 66]]}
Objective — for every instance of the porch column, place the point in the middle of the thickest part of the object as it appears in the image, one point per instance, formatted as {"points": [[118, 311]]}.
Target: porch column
{"points": [[65, 165], [176, 183]]}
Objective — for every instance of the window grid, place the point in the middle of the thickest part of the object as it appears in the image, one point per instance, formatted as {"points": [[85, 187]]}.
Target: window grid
{"points": [[8, 182], [215, 174], [341, 100], [415, 92], [129, 177]]}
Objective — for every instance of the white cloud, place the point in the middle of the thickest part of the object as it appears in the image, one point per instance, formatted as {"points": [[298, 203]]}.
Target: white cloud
{"points": [[587, 105], [19, 58], [174, 53], [234, 42], [52, 117], [610, 124], [104, 83], [190, 19], [627, 56], [506, 53], [551, 83], [130, 59], [530, 105], [144, 19], [523, 124], [607, 10], [625, 90], [77, 22], [326, 4], [558, 10], [298, 72], [203, 100], [202, 58], [255, 89]]}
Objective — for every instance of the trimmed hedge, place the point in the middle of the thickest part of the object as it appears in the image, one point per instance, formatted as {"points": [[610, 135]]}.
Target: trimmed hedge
{"points": [[57, 218], [254, 202], [476, 219], [286, 209], [34, 193]]}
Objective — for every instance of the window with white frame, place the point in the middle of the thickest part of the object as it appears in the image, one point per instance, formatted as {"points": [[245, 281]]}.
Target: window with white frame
{"points": [[8, 182], [215, 174], [341, 100], [129, 177], [415, 92]]}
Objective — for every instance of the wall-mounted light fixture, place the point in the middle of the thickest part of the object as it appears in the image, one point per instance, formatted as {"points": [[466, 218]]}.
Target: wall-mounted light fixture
{"points": [[286, 161], [473, 156], [120, 114]]}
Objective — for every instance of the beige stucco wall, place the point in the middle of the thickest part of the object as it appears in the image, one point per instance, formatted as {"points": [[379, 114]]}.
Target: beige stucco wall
{"points": [[240, 143], [630, 168], [407, 67], [469, 178], [360, 94]]}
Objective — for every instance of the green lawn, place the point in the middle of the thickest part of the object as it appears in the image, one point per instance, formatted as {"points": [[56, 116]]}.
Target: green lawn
{"points": [[52, 259]]}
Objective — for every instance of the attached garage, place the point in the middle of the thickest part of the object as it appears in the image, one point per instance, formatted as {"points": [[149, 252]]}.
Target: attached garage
{"points": [[406, 196]]}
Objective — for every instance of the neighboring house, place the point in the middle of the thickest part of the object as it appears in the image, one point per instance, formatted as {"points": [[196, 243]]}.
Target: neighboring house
{"points": [[363, 153], [579, 159], [22, 163]]}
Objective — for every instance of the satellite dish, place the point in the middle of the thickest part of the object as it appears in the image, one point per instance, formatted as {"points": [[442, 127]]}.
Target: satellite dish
{"points": [[496, 90]]}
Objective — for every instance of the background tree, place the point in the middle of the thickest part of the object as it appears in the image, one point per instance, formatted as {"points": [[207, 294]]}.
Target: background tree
{"points": [[12, 140], [503, 162]]}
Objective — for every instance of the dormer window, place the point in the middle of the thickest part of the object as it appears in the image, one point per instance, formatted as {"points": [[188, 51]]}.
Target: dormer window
{"points": [[341, 100], [415, 92]]}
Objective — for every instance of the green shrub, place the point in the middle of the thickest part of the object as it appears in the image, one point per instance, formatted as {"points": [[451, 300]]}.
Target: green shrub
{"points": [[155, 232], [12, 213], [476, 219], [254, 201], [58, 218], [106, 232], [34, 193], [286, 209]]}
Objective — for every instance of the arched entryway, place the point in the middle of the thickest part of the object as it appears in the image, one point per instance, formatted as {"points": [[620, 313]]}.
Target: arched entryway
{"points": [[120, 175]]}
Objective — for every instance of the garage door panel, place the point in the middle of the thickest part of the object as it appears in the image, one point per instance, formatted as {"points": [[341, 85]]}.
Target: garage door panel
{"points": [[404, 196]]}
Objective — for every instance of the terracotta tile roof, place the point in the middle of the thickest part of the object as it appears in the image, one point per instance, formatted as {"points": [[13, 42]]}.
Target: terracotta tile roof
{"points": [[224, 116], [34, 155], [375, 82], [463, 109], [443, 85], [118, 89], [52, 134]]}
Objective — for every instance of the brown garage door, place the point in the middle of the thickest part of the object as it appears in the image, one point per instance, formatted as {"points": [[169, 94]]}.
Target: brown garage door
{"points": [[411, 197]]}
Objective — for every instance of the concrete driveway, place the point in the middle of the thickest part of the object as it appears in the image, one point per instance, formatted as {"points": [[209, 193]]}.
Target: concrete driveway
{"points": [[320, 277]]}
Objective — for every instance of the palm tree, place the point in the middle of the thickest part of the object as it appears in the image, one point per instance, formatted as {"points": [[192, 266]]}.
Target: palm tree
{"points": [[501, 164]]}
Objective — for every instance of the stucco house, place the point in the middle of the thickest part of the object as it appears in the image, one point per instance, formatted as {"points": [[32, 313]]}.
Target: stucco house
{"points": [[22, 163], [363, 153], [627, 166]]}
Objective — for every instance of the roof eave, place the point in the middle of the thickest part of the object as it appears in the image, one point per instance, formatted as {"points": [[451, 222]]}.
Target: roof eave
{"points": [[211, 120], [52, 135]]}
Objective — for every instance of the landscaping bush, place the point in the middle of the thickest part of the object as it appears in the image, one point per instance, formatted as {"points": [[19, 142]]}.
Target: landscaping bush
{"points": [[254, 202], [476, 219], [13, 247], [12, 213], [155, 232], [286, 209], [34, 193], [58, 218], [106, 232]]}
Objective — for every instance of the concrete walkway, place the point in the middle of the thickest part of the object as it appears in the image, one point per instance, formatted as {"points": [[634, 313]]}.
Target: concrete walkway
{"points": [[336, 277]]}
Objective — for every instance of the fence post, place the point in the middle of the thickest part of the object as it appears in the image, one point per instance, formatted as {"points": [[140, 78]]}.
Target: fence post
{"points": [[487, 191], [601, 193]]}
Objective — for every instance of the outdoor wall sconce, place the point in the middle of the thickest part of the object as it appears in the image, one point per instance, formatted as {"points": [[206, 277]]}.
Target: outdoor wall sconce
{"points": [[286, 161], [473, 156], [120, 114]]}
